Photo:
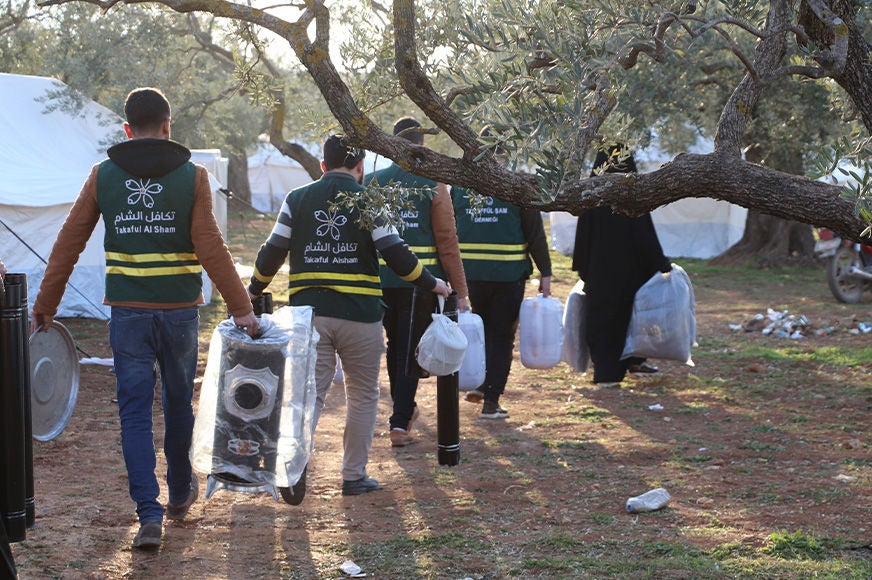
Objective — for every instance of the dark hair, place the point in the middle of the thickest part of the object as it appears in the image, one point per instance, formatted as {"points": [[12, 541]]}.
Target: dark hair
{"points": [[406, 126], [337, 154], [618, 157], [146, 108]]}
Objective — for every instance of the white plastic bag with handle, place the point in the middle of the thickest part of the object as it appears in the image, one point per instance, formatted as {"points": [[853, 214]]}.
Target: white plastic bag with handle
{"points": [[663, 324], [442, 346]]}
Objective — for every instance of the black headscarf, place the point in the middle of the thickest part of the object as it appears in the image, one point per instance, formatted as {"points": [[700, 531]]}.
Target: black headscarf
{"points": [[618, 158]]}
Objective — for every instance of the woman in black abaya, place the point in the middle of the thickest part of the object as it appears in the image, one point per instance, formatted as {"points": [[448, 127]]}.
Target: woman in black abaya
{"points": [[614, 255]]}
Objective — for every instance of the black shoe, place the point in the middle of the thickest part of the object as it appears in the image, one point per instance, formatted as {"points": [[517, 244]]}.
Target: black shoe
{"points": [[149, 535], [360, 486], [491, 410], [642, 368], [179, 511]]}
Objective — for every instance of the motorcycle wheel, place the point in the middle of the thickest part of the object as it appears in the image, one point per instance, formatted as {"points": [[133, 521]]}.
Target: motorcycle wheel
{"points": [[845, 287]]}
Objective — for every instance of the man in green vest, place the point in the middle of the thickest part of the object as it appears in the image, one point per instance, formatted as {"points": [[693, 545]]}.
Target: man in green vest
{"points": [[431, 233], [496, 243], [334, 268], [160, 233]]}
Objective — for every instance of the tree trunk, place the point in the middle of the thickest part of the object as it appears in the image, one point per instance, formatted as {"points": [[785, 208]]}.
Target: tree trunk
{"points": [[237, 177], [771, 241]]}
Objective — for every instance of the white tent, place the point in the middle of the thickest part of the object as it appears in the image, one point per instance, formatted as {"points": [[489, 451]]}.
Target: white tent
{"points": [[45, 156], [271, 176], [695, 227]]}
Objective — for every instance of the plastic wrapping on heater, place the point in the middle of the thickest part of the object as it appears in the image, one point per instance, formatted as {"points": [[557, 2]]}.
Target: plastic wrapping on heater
{"points": [[257, 401]]}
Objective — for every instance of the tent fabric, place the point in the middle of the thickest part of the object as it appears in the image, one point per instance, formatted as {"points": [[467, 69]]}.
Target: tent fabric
{"points": [[45, 156], [688, 228], [693, 227], [698, 227], [271, 176]]}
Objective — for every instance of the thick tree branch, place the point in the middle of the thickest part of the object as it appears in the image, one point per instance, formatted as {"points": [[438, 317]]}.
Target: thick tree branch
{"points": [[737, 112], [855, 77], [416, 84], [719, 176]]}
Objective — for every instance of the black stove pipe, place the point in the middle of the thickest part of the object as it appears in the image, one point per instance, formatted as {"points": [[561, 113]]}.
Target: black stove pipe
{"points": [[16, 449]]}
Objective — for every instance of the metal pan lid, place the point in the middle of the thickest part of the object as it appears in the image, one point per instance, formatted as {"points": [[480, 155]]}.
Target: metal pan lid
{"points": [[54, 381]]}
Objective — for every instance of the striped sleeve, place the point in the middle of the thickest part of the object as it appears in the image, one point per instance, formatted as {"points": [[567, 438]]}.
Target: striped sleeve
{"points": [[281, 232], [272, 254], [400, 258]]}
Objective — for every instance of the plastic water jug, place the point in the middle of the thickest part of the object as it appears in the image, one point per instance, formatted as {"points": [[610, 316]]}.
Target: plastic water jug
{"points": [[575, 350], [472, 371], [541, 327]]}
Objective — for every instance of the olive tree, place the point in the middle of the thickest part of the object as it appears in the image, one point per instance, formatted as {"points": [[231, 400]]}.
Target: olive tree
{"points": [[550, 77]]}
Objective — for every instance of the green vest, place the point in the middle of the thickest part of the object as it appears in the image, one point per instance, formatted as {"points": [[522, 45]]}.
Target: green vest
{"points": [[492, 243], [333, 261], [149, 253], [417, 231]]}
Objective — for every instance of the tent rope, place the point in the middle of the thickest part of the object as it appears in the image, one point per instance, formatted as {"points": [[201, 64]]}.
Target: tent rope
{"points": [[44, 261]]}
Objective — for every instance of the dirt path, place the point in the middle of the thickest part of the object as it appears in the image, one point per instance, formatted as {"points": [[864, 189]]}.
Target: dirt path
{"points": [[748, 443]]}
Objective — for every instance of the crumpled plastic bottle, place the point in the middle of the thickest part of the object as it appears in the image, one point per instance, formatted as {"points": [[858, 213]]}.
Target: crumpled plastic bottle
{"points": [[649, 501]]}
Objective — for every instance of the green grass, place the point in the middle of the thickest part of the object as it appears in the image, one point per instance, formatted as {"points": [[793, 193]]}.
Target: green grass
{"points": [[829, 355]]}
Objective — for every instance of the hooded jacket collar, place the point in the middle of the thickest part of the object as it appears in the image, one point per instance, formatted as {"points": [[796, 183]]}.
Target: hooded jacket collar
{"points": [[149, 157]]}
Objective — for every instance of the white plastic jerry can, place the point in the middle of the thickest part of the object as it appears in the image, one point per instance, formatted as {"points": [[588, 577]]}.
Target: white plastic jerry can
{"points": [[541, 328], [472, 370]]}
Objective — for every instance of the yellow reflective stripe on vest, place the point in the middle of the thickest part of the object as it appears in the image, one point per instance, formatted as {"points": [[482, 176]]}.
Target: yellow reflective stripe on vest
{"points": [[495, 247], [495, 252], [138, 258], [157, 271], [334, 276], [344, 289], [494, 257]]}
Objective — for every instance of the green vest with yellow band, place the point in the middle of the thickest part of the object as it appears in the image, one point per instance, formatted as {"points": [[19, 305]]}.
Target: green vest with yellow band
{"points": [[492, 243], [418, 229], [149, 253], [333, 261]]}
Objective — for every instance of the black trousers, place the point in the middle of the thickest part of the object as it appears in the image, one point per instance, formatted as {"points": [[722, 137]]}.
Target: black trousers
{"points": [[396, 322], [607, 323], [498, 304]]}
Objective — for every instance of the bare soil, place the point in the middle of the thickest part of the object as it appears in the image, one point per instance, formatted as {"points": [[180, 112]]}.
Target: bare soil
{"points": [[748, 445]]}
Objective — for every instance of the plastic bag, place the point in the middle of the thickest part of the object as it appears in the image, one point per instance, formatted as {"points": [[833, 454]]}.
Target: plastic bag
{"points": [[541, 329], [663, 323], [575, 350], [443, 345], [256, 410], [563, 225], [474, 367]]}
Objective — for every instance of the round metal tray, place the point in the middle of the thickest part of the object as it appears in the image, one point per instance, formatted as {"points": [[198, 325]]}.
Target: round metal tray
{"points": [[54, 381]]}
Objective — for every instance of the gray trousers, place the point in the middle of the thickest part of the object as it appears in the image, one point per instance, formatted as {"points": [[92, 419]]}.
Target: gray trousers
{"points": [[360, 346]]}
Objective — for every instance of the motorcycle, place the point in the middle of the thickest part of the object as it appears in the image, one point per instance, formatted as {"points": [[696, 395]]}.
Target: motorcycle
{"points": [[849, 269]]}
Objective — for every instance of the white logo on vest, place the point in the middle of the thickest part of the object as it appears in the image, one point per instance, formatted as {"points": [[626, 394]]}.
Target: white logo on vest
{"points": [[330, 223], [142, 191]]}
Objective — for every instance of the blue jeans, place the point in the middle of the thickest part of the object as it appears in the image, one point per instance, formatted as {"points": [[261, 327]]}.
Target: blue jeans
{"points": [[139, 338]]}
